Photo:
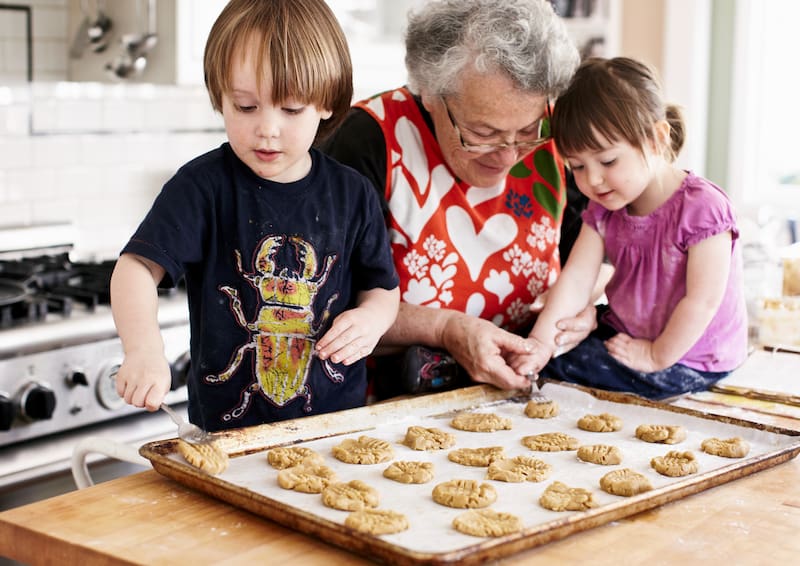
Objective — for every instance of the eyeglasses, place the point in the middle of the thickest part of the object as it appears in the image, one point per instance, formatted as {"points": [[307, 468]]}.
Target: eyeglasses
{"points": [[543, 134]]}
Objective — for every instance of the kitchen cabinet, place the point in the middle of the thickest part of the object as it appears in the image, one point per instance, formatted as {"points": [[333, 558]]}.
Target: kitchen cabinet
{"points": [[594, 25]]}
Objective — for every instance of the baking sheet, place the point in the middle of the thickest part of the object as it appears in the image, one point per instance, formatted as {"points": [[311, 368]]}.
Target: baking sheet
{"points": [[768, 375], [251, 483]]}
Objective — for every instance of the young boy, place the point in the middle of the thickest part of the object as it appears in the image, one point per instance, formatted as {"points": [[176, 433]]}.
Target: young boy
{"points": [[284, 251]]}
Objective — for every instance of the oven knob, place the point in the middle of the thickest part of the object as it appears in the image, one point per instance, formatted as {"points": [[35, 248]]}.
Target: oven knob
{"points": [[7, 412], [77, 378], [37, 402], [106, 387]]}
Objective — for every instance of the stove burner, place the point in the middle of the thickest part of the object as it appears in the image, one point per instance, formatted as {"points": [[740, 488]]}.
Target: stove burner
{"points": [[50, 284]]}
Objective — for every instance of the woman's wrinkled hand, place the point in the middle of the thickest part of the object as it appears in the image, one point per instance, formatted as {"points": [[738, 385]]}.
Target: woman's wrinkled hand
{"points": [[483, 350]]}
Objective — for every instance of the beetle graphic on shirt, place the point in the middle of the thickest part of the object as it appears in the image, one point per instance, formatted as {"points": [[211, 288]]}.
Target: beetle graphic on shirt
{"points": [[283, 331]]}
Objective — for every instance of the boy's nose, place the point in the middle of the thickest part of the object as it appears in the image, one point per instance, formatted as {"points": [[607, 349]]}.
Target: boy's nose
{"points": [[268, 126]]}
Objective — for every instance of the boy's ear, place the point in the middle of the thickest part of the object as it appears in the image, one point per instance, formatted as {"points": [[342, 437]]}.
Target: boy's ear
{"points": [[325, 114]]}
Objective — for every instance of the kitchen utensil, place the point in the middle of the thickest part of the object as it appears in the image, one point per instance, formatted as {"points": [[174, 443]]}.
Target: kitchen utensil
{"points": [[135, 48], [536, 394], [94, 30], [99, 30], [189, 432]]}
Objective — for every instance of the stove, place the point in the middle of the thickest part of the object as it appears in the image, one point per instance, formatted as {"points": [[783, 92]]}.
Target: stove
{"points": [[59, 350]]}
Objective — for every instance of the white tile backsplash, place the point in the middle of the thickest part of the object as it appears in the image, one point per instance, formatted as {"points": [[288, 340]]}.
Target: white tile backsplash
{"points": [[98, 166]]}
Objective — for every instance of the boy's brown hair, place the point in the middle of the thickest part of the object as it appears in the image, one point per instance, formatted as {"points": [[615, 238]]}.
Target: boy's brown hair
{"points": [[303, 45]]}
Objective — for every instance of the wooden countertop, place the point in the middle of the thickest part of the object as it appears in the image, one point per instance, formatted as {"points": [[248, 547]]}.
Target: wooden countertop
{"points": [[751, 520]]}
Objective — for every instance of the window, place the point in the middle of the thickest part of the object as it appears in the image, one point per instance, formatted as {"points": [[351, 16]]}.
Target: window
{"points": [[764, 159]]}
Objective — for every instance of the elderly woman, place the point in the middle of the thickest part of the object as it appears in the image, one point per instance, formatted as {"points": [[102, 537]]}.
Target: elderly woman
{"points": [[474, 193]]}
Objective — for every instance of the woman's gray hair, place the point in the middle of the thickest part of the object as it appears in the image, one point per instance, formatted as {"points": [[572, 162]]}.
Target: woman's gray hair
{"points": [[523, 38]]}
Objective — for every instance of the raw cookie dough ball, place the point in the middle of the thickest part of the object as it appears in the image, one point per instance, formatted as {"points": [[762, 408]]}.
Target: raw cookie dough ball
{"points": [[284, 457], [560, 497], [480, 422], [476, 456], [421, 438], [409, 472], [487, 523], [351, 496], [518, 469], [538, 410], [625, 482], [603, 422], [665, 434], [551, 442], [731, 448], [675, 464], [377, 521], [464, 494], [207, 456], [364, 450], [306, 477], [603, 454]]}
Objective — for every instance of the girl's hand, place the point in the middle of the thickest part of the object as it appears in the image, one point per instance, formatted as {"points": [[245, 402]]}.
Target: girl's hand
{"points": [[531, 364], [635, 353], [351, 337]]}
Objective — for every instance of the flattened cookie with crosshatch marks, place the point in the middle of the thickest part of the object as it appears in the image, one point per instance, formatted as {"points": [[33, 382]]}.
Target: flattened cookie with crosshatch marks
{"points": [[731, 448], [307, 477], [560, 497], [487, 523], [421, 438], [351, 496], [551, 442], [377, 521], [665, 434], [480, 422], [675, 464], [207, 456], [409, 472], [603, 422], [518, 469], [283, 457], [603, 454], [538, 410], [480, 457], [625, 482], [464, 494], [363, 450]]}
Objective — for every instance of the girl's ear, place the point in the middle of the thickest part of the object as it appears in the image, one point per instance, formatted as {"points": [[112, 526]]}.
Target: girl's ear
{"points": [[661, 129]]}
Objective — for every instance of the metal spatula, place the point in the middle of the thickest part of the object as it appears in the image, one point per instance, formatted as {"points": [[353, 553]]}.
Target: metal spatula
{"points": [[189, 432]]}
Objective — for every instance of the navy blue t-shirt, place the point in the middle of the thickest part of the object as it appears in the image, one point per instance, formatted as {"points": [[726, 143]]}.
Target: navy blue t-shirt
{"points": [[268, 266]]}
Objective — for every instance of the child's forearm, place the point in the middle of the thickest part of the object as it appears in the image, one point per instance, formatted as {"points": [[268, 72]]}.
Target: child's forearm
{"points": [[384, 303], [684, 328], [134, 305]]}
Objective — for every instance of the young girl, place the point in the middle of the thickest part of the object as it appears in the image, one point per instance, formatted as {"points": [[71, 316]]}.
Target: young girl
{"points": [[676, 318], [284, 251]]}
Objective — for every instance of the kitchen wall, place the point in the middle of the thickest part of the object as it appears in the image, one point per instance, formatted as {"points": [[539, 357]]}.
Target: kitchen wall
{"points": [[91, 154]]}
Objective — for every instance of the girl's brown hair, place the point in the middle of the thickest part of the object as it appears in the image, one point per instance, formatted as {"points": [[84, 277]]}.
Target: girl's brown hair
{"points": [[619, 99], [300, 41]]}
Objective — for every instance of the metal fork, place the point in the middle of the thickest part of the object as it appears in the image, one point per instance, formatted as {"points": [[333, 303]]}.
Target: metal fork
{"points": [[536, 394], [189, 432]]}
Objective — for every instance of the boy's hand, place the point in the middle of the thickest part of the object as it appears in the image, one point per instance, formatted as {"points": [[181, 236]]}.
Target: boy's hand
{"points": [[143, 380], [352, 336]]}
